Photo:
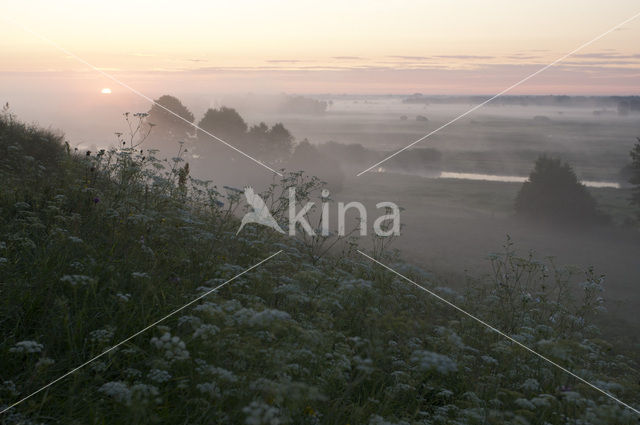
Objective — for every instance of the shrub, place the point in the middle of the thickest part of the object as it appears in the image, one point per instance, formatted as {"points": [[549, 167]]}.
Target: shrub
{"points": [[554, 194]]}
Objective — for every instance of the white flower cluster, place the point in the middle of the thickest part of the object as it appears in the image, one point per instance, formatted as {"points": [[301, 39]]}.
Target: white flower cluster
{"points": [[98, 366], [101, 336], [379, 420], [204, 368], [117, 390], [159, 376], [530, 384], [9, 387], [524, 404], [174, 348], [123, 297], [210, 389], [26, 347], [206, 331], [145, 394], [430, 361], [260, 413], [44, 362], [77, 279], [267, 316]]}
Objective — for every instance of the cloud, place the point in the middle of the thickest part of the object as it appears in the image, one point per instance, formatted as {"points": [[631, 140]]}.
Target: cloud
{"points": [[522, 57], [285, 61], [602, 62], [349, 58], [606, 55], [411, 58], [464, 57]]}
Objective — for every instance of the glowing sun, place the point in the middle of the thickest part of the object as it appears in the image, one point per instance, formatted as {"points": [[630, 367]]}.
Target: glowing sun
{"points": [[105, 90]]}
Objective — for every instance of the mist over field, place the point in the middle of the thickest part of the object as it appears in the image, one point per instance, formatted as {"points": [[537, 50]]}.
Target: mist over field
{"points": [[271, 213]]}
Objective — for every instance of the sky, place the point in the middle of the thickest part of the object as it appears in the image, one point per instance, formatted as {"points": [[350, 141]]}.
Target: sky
{"points": [[432, 47]]}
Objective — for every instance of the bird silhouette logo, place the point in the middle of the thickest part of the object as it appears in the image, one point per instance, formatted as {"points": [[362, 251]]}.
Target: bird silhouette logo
{"points": [[260, 213]]}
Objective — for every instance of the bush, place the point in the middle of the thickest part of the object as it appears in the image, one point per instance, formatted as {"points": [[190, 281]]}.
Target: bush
{"points": [[554, 194], [634, 174]]}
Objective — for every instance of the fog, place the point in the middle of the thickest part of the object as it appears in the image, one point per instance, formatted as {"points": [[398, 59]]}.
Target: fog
{"points": [[457, 187]]}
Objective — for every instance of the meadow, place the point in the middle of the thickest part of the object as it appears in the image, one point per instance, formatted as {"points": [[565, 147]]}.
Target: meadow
{"points": [[96, 246]]}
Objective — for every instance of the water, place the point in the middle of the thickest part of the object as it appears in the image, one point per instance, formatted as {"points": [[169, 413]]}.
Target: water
{"points": [[496, 178], [514, 179]]}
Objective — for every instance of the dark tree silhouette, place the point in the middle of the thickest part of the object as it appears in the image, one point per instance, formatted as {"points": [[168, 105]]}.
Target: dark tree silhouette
{"points": [[225, 123], [634, 172], [280, 140], [554, 194], [169, 127], [308, 158], [270, 144]]}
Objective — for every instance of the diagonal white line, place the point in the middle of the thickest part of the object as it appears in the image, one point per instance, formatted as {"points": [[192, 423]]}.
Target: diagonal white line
{"points": [[142, 95], [544, 68], [501, 333], [138, 333]]}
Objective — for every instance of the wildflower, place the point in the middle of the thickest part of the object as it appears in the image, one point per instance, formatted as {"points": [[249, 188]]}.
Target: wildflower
{"points": [[174, 348], [26, 347], [525, 404], [145, 394], [268, 316], [9, 387], [98, 366], [44, 362], [205, 331], [489, 360], [530, 385], [123, 297], [132, 373], [21, 206], [117, 390], [101, 336], [542, 401], [159, 376], [430, 361], [260, 413], [209, 388], [77, 279], [96, 200]]}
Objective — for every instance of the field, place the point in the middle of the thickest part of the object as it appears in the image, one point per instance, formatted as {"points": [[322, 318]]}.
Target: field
{"points": [[121, 249]]}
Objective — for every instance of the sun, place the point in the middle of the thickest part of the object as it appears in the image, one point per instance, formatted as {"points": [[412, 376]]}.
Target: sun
{"points": [[105, 90]]}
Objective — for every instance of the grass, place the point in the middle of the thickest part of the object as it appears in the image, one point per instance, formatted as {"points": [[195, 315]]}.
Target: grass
{"points": [[95, 247], [477, 196]]}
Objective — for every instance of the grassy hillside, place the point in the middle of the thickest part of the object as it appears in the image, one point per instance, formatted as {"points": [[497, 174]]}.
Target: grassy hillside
{"points": [[95, 247]]}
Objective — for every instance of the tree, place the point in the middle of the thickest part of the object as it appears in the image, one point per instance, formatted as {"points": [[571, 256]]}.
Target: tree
{"points": [[634, 178], [280, 141], [167, 126], [308, 158], [225, 123], [270, 144], [554, 194]]}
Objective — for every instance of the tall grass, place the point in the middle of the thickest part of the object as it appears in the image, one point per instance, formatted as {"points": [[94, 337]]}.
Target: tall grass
{"points": [[95, 246]]}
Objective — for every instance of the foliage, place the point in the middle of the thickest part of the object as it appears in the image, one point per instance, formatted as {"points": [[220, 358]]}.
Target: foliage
{"points": [[271, 145], [223, 122], [634, 177], [554, 194], [175, 125], [318, 163], [95, 247]]}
